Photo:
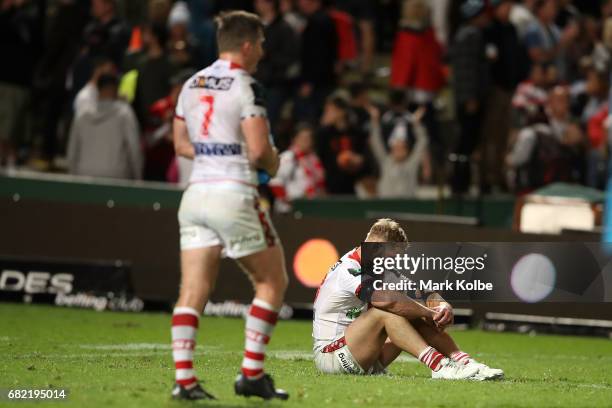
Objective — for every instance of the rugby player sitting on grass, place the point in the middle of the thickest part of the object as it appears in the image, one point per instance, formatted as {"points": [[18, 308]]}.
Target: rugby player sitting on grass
{"points": [[353, 336]]}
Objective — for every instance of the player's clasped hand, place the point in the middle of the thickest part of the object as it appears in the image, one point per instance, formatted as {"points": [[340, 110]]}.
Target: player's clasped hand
{"points": [[444, 315]]}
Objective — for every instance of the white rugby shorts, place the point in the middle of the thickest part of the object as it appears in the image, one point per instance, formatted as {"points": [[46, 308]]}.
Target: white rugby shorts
{"points": [[336, 358], [225, 214]]}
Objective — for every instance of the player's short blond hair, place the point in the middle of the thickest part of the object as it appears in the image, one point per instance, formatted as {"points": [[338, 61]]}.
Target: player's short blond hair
{"points": [[387, 230], [234, 28]]}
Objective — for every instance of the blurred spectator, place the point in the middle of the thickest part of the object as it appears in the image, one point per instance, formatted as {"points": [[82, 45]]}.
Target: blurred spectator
{"points": [[279, 66], [318, 61], [549, 152], [593, 117], [159, 11], [568, 13], [417, 66], [363, 17], [529, 100], [597, 90], [504, 50], [301, 173], [606, 9], [347, 39], [582, 47], [159, 153], [417, 56], [360, 104], [545, 41], [154, 72], [21, 25], [52, 84], [202, 28], [522, 16], [360, 118], [470, 84], [400, 167], [106, 36], [396, 115], [341, 150], [87, 98], [440, 16], [291, 16], [105, 142], [182, 46]]}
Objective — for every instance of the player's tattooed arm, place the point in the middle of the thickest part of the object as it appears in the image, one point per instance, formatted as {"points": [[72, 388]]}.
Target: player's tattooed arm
{"points": [[182, 145]]}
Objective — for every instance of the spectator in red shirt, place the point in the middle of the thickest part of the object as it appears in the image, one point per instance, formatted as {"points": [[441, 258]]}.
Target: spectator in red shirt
{"points": [[417, 67]]}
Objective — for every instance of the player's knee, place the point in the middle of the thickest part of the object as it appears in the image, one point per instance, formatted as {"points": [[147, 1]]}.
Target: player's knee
{"points": [[277, 284], [202, 290]]}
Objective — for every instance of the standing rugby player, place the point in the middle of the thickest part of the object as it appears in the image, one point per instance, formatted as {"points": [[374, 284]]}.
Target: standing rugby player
{"points": [[221, 124], [353, 336]]}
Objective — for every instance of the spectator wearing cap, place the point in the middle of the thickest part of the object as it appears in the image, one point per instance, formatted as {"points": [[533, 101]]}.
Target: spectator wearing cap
{"points": [[505, 52], [105, 142], [470, 70], [279, 66]]}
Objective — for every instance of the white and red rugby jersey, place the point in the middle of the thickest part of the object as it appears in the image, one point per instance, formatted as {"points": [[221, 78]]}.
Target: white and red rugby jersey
{"points": [[337, 302], [213, 104]]}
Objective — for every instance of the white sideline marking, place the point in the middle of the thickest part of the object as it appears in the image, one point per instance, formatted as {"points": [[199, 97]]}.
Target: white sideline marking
{"points": [[5, 338], [135, 346], [127, 346]]}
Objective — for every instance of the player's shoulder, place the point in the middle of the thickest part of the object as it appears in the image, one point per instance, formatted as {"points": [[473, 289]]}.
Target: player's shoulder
{"points": [[350, 263]]}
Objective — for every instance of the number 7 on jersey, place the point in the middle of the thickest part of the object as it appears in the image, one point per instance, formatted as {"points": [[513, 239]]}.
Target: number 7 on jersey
{"points": [[209, 100]]}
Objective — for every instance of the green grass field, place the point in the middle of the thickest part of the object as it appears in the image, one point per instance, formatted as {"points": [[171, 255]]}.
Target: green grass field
{"points": [[123, 360]]}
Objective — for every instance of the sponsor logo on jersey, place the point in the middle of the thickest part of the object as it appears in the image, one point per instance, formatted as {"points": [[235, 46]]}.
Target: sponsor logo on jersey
{"points": [[217, 149], [212, 83]]}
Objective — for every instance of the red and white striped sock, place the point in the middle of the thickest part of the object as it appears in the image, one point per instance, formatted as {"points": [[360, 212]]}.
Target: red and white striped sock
{"points": [[259, 325], [184, 328], [460, 357], [431, 358]]}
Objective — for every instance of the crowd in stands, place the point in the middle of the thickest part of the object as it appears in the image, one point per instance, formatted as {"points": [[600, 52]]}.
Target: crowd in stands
{"points": [[365, 97]]}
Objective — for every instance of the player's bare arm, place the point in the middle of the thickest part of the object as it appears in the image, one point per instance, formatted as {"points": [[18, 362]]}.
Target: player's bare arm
{"points": [[261, 152], [401, 305], [182, 145]]}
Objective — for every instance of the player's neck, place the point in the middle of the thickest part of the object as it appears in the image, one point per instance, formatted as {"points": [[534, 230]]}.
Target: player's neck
{"points": [[233, 57]]}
